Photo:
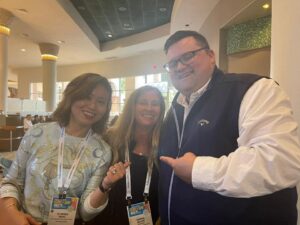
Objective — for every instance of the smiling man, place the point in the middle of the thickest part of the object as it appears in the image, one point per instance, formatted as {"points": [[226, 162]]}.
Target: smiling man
{"points": [[229, 148]]}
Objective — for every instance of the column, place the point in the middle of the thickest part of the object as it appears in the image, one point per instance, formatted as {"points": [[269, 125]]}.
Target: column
{"points": [[49, 53], [285, 54], [6, 18], [285, 49]]}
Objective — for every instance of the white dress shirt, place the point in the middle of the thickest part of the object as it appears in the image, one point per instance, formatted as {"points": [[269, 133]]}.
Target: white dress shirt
{"points": [[268, 155]]}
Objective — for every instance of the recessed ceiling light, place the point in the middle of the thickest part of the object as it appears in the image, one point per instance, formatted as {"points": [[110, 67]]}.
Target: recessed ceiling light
{"points": [[109, 35], [266, 6], [162, 9], [127, 26], [60, 42], [23, 50], [122, 9]]}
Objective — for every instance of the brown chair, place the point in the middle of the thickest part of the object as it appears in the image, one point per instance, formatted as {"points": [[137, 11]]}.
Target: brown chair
{"points": [[10, 137]]}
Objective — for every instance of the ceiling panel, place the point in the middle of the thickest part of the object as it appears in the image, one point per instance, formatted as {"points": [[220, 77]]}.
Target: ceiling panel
{"points": [[114, 19]]}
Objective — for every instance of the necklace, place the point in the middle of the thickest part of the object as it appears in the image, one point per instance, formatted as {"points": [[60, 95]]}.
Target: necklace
{"points": [[138, 153]]}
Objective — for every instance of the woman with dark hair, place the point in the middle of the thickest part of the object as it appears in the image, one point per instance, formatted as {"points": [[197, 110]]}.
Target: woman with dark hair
{"points": [[64, 161], [134, 137]]}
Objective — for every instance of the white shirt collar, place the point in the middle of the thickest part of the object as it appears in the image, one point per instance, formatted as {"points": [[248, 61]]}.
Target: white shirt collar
{"points": [[181, 100]]}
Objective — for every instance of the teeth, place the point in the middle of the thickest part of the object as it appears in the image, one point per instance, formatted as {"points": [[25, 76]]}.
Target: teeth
{"points": [[149, 116], [88, 113]]}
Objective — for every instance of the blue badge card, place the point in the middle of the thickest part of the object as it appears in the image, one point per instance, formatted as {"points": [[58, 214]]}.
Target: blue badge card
{"points": [[63, 211], [139, 214]]}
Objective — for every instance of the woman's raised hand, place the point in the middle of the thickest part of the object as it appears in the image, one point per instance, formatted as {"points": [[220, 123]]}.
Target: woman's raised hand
{"points": [[114, 173]]}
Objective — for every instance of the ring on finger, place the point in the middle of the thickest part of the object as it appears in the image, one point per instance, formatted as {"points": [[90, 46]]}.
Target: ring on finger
{"points": [[114, 171]]}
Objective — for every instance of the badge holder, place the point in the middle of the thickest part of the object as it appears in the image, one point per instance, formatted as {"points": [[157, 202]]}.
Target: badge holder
{"points": [[63, 210], [139, 213]]}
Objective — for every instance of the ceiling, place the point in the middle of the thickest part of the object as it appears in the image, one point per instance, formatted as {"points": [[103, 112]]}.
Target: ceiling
{"points": [[59, 22], [81, 39], [114, 19]]}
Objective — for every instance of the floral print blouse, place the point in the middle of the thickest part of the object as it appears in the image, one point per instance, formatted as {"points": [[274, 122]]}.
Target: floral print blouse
{"points": [[32, 177]]}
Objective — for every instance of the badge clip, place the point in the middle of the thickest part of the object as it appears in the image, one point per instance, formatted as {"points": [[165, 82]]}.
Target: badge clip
{"points": [[145, 198], [62, 195], [129, 201]]}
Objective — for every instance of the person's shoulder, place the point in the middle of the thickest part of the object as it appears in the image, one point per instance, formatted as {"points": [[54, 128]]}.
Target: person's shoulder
{"points": [[239, 78], [97, 138], [49, 125], [242, 76], [40, 128], [101, 150]]}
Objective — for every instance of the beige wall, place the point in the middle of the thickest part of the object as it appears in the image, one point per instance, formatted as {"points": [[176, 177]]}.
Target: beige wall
{"points": [[137, 65], [254, 61], [285, 56], [221, 15]]}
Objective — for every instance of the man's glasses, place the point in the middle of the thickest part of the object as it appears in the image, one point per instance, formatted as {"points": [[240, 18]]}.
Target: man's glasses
{"points": [[183, 59]]}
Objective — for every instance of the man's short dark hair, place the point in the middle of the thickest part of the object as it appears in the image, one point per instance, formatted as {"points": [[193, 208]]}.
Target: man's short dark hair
{"points": [[177, 36]]}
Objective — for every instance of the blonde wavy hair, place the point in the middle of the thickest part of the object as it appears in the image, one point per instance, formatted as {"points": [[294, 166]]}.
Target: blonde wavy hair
{"points": [[122, 133]]}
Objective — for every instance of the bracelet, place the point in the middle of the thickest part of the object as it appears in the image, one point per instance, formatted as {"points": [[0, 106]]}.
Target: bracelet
{"points": [[102, 189]]}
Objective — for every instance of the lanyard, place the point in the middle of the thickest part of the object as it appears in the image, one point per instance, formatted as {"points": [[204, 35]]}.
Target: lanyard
{"points": [[179, 134], [128, 180], [63, 187], [179, 140]]}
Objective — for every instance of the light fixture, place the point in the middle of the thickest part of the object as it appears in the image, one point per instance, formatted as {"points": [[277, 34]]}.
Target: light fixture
{"points": [[4, 30], [127, 26], [266, 6], [122, 9], [108, 33], [49, 57], [60, 42], [23, 50]]}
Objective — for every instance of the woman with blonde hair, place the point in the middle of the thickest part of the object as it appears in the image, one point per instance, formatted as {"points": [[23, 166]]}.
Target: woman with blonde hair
{"points": [[134, 138]]}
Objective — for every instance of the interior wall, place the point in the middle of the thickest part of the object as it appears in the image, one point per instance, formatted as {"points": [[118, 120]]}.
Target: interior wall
{"points": [[12, 76], [254, 61], [221, 15], [285, 66], [285, 55], [132, 66]]}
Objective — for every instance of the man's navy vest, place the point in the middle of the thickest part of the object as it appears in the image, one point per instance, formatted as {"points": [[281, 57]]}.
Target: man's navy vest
{"points": [[211, 129]]}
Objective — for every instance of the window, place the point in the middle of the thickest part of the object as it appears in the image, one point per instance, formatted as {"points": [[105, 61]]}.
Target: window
{"points": [[122, 87], [118, 95], [36, 91]]}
